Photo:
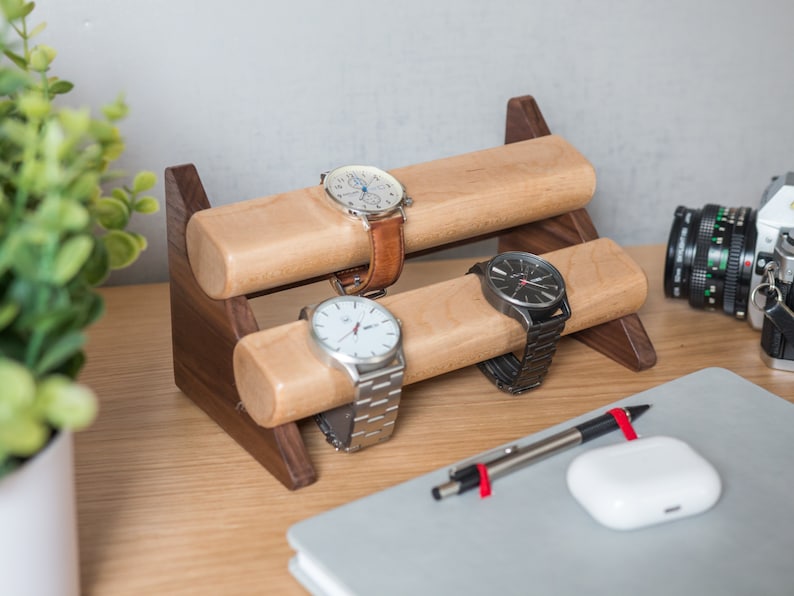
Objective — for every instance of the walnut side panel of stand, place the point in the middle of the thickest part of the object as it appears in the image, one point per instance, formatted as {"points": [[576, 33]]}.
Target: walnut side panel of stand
{"points": [[204, 333], [265, 243], [446, 326], [624, 340]]}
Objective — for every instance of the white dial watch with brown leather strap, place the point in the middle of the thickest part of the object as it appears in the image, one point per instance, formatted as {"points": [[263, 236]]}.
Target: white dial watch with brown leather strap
{"points": [[379, 200]]}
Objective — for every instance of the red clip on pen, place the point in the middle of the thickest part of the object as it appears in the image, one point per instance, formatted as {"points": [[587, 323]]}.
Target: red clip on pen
{"points": [[511, 459]]}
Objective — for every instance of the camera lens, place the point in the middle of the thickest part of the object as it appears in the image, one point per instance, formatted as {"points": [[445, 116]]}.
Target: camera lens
{"points": [[710, 257]]}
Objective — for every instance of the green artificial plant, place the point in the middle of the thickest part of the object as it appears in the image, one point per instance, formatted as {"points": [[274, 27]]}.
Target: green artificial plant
{"points": [[60, 235]]}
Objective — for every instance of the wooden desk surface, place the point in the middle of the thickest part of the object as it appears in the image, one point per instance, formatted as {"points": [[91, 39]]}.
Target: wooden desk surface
{"points": [[169, 504]]}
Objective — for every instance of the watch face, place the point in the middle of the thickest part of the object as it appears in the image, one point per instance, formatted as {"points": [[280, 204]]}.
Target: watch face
{"points": [[526, 280], [363, 189], [355, 330]]}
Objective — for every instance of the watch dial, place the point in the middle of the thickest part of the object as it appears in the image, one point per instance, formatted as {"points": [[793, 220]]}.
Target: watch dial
{"points": [[355, 327], [363, 189], [526, 279]]}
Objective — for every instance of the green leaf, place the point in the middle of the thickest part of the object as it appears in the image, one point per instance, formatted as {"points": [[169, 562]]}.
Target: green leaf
{"points": [[33, 105], [18, 387], [26, 264], [37, 29], [84, 186], [112, 151], [97, 268], [7, 106], [41, 57], [23, 436], [112, 214], [60, 87], [90, 306], [75, 122], [121, 195], [12, 81], [27, 9], [123, 249], [63, 215], [147, 205], [16, 59], [104, 132], [143, 181], [116, 110], [142, 241], [66, 404], [71, 257], [15, 9], [8, 313], [53, 320], [61, 350], [6, 256], [15, 131]]}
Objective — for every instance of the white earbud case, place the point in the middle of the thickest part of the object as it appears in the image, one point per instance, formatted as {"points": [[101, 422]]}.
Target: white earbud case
{"points": [[643, 482]]}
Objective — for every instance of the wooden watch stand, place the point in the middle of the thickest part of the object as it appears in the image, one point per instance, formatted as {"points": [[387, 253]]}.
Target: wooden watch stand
{"points": [[205, 331]]}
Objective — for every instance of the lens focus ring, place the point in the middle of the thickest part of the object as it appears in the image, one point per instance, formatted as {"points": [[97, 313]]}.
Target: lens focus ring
{"points": [[709, 257], [699, 275]]}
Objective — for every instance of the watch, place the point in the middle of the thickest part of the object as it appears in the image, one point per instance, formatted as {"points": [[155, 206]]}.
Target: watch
{"points": [[379, 200], [531, 290], [362, 338]]}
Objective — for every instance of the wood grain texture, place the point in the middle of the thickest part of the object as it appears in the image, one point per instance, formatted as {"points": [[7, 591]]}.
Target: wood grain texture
{"points": [[204, 333], [446, 326], [264, 243], [624, 339], [168, 503]]}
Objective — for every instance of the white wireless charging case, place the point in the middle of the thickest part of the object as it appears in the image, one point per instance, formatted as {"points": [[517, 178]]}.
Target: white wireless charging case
{"points": [[642, 482]]}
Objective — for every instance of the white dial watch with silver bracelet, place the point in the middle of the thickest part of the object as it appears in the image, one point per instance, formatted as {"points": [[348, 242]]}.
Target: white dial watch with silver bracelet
{"points": [[362, 338]]}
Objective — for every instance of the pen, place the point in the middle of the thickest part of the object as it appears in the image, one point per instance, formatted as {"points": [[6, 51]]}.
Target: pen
{"points": [[468, 477]]}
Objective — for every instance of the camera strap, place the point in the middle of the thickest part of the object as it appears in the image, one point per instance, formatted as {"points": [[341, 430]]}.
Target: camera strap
{"points": [[782, 317], [775, 309]]}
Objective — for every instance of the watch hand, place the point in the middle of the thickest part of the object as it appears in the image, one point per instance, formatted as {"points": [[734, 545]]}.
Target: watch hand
{"points": [[359, 183], [354, 331], [532, 283]]}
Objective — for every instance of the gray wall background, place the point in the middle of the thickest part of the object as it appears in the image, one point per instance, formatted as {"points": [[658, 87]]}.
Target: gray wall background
{"points": [[674, 101]]}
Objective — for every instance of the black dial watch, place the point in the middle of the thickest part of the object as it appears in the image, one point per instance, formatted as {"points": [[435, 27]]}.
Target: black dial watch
{"points": [[532, 291]]}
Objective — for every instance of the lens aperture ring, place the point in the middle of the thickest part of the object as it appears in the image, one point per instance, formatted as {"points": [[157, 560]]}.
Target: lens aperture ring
{"points": [[699, 275], [733, 270]]}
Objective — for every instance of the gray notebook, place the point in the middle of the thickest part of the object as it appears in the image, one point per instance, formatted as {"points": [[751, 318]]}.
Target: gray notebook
{"points": [[532, 537]]}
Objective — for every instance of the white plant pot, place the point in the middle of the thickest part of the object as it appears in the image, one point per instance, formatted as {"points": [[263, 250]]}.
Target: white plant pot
{"points": [[38, 525]]}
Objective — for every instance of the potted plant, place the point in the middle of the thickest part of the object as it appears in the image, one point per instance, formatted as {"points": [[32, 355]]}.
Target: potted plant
{"points": [[60, 235]]}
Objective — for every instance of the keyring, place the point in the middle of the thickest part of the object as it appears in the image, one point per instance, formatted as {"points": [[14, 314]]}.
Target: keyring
{"points": [[778, 294]]}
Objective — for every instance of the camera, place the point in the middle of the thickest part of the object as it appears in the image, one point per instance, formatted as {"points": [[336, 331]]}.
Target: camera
{"points": [[717, 254], [777, 331]]}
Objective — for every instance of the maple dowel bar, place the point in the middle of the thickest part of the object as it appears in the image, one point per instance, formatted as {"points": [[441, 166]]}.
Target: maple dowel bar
{"points": [[265, 243], [446, 326]]}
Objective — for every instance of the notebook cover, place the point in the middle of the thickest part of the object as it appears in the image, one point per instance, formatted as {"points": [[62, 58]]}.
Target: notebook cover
{"points": [[532, 537]]}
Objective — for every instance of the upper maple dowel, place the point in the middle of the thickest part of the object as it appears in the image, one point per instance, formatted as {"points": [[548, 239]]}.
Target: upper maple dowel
{"points": [[261, 244], [446, 326]]}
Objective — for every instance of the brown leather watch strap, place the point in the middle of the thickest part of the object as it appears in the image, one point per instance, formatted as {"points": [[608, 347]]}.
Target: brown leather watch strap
{"points": [[386, 257]]}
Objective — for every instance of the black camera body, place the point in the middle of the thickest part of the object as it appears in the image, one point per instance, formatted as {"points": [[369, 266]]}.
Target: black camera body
{"points": [[777, 350]]}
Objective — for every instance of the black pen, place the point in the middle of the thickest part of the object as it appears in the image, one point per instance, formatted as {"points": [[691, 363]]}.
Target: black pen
{"points": [[468, 477]]}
